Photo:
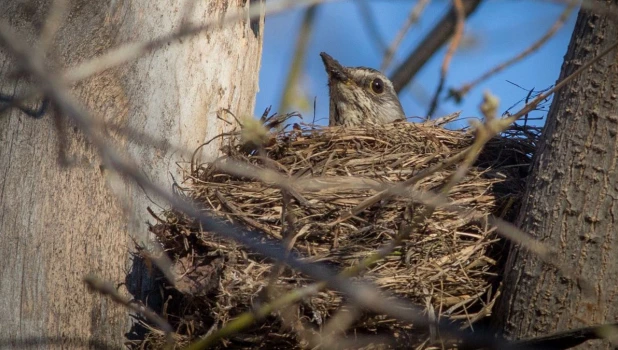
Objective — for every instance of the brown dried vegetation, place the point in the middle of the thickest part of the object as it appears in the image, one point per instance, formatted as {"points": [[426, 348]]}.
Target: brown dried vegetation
{"points": [[450, 266]]}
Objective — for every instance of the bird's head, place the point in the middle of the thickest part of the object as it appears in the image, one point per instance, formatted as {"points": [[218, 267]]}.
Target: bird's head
{"points": [[360, 95]]}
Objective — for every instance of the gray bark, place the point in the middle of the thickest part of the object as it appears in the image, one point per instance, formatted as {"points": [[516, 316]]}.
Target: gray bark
{"points": [[572, 197]]}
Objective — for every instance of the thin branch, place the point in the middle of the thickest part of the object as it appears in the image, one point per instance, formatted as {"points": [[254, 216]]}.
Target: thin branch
{"points": [[399, 188], [128, 52], [532, 105], [458, 94], [460, 17], [57, 13], [300, 53], [370, 24], [413, 17], [433, 41], [106, 288]]}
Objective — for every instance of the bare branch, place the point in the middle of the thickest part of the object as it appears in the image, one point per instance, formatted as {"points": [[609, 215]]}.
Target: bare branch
{"points": [[128, 52], [107, 288], [413, 17], [55, 18], [459, 30], [300, 52], [458, 94], [370, 24], [433, 41]]}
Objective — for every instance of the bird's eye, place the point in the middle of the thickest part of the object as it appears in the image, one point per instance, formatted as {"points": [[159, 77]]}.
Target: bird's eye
{"points": [[377, 85]]}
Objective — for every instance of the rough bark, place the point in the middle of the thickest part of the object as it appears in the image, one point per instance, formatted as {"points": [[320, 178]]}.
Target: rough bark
{"points": [[571, 202], [59, 223]]}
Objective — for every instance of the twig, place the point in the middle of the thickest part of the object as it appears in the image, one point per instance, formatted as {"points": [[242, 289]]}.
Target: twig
{"points": [[125, 53], [413, 17], [460, 17], [484, 133], [370, 24], [458, 94], [440, 33], [107, 288], [57, 13], [300, 52], [394, 190], [288, 236], [235, 211], [530, 106]]}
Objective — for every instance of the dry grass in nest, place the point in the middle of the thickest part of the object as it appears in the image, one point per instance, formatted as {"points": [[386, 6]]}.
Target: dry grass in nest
{"points": [[449, 266]]}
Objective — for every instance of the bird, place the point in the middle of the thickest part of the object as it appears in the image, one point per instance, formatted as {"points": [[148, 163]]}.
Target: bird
{"points": [[360, 95]]}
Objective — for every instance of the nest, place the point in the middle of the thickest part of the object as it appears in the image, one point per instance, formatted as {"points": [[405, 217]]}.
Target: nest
{"points": [[450, 265]]}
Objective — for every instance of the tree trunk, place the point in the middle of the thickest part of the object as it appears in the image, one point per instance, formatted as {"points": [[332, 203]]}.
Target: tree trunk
{"points": [[58, 223], [571, 202]]}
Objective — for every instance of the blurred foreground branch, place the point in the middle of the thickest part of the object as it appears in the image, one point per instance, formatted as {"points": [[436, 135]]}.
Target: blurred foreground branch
{"points": [[434, 40]]}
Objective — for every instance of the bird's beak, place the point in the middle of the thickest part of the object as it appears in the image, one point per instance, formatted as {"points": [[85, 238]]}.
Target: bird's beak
{"points": [[334, 69]]}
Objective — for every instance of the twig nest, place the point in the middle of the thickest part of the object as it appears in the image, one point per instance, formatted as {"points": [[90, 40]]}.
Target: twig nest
{"points": [[450, 264]]}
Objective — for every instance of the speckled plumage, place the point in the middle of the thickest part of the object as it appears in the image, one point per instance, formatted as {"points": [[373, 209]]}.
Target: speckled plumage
{"points": [[355, 97]]}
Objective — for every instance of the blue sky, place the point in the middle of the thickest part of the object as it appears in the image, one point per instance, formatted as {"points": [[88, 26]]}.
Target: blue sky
{"points": [[498, 30]]}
